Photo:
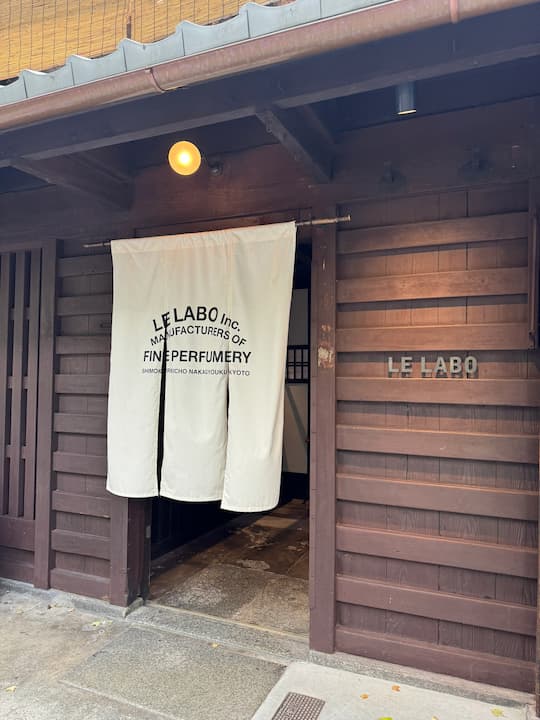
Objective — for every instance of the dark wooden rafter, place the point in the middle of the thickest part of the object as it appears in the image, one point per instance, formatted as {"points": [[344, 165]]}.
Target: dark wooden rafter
{"points": [[492, 41], [82, 174], [306, 141]]}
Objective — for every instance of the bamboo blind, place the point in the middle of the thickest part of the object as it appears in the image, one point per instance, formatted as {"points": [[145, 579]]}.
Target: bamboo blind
{"points": [[42, 34]]}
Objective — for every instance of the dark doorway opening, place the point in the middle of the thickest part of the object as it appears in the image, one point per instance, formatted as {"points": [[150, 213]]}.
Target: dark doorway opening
{"points": [[252, 567]]}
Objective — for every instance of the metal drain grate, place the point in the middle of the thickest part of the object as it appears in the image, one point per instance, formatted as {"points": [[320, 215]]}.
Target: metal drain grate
{"points": [[299, 707]]}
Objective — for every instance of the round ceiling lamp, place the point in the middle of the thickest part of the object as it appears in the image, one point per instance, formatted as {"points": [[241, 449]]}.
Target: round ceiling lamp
{"points": [[184, 158]]}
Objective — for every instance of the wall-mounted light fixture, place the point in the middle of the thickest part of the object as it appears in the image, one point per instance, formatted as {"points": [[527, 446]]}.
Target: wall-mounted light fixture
{"points": [[405, 99], [185, 158]]}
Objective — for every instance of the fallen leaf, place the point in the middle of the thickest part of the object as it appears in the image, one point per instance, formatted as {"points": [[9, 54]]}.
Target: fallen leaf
{"points": [[215, 645], [385, 718], [11, 688], [396, 688], [497, 712], [364, 696]]}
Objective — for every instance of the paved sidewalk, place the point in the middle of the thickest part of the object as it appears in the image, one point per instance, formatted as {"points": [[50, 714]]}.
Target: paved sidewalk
{"points": [[70, 658], [347, 696], [58, 663]]}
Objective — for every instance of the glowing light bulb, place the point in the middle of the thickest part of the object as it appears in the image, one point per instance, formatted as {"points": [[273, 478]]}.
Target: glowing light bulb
{"points": [[184, 158]]}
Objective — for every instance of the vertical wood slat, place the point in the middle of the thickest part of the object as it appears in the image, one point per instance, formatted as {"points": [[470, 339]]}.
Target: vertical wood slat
{"points": [[5, 274], [323, 439], [119, 550], [42, 556], [534, 262], [534, 297], [313, 320], [32, 385], [16, 477]]}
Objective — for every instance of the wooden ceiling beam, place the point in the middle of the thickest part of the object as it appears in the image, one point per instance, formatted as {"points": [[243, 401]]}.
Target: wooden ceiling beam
{"points": [[480, 43], [263, 181], [306, 142], [82, 175]]}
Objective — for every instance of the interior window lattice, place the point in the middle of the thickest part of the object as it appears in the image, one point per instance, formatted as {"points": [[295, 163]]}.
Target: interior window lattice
{"points": [[297, 364]]}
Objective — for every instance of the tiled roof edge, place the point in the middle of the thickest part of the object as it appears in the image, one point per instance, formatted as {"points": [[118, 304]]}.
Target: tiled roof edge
{"points": [[252, 21]]}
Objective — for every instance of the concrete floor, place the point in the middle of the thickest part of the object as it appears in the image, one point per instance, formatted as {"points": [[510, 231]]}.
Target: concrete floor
{"points": [[253, 570], [69, 658]]}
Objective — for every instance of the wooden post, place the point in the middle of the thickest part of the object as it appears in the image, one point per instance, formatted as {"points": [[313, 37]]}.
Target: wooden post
{"points": [[139, 548], [42, 554], [130, 562], [119, 546], [323, 437], [130, 549], [534, 211]]}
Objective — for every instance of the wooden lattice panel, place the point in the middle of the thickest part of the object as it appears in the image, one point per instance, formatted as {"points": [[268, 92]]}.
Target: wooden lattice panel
{"points": [[41, 34], [25, 409], [19, 325]]}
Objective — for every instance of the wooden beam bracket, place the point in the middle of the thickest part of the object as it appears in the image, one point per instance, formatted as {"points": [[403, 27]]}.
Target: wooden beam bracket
{"points": [[306, 141], [82, 176]]}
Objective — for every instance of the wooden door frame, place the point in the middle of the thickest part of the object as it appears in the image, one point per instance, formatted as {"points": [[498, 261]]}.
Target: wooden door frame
{"points": [[132, 576], [322, 531]]}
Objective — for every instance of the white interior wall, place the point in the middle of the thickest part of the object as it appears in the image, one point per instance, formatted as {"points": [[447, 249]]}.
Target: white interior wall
{"points": [[296, 430]]}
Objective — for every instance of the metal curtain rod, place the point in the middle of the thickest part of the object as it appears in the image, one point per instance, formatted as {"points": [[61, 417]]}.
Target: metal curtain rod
{"points": [[301, 223]]}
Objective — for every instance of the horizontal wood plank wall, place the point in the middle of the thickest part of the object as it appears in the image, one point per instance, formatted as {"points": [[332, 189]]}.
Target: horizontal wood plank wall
{"points": [[19, 351], [437, 478], [81, 534]]}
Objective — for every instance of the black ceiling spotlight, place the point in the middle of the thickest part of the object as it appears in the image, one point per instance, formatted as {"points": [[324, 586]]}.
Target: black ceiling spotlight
{"points": [[405, 98], [216, 167]]}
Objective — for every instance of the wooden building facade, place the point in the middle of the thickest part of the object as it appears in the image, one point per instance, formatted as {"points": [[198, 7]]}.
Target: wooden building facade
{"points": [[425, 371]]}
